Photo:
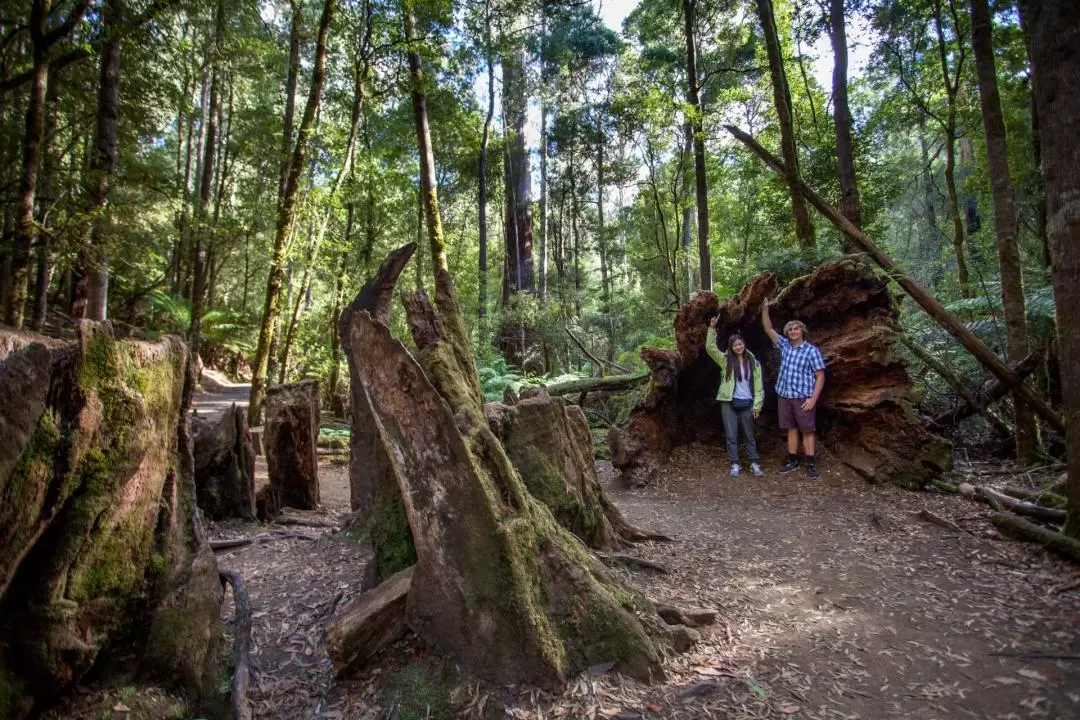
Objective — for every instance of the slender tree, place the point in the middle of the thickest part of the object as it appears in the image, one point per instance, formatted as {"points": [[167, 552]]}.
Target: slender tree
{"points": [[804, 228], [701, 185], [1012, 280], [845, 149]]}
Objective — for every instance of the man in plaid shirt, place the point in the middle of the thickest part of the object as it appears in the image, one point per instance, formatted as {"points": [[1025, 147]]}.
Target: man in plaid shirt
{"points": [[798, 387]]}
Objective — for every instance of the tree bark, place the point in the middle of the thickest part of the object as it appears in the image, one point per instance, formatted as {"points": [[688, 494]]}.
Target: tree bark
{"points": [[845, 146], [46, 198], [482, 290], [986, 357], [701, 185], [290, 440], [286, 217], [1056, 65], [517, 230], [1028, 447], [804, 228]]}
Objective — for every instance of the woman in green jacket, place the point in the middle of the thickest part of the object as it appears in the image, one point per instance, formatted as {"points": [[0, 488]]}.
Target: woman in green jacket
{"points": [[740, 396]]}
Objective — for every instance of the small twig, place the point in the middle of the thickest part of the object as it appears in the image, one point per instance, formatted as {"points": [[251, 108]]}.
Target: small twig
{"points": [[1066, 588], [238, 700]]}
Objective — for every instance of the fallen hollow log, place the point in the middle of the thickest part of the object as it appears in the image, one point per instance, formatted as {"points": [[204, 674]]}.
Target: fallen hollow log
{"points": [[99, 535], [368, 624], [928, 302], [1021, 507], [1023, 529], [865, 415], [957, 384], [292, 433], [991, 392], [225, 467]]}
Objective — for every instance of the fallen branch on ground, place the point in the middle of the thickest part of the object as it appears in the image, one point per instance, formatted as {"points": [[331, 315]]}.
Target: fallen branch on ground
{"points": [[1020, 507], [617, 559], [944, 486], [238, 700], [692, 618], [1023, 529], [304, 522], [1044, 498], [229, 544], [598, 361], [939, 521], [584, 385]]}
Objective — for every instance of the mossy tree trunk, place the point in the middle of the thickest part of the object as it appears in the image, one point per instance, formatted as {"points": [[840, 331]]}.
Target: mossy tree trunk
{"points": [[101, 537]]}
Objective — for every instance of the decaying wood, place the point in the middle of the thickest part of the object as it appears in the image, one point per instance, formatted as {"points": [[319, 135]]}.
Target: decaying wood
{"points": [[238, 695], [986, 357], [233, 543], [865, 416], [693, 618], [585, 385], [368, 624], [292, 434], [1023, 529], [1039, 497], [991, 392], [620, 559], [1021, 507], [958, 385], [225, 467]]}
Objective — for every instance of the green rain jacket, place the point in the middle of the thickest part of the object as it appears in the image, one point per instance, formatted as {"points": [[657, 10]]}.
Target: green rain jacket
{"points": [[727, 382]]}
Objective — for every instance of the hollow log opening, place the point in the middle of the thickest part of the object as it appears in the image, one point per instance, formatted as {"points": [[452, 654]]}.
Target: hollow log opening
{"points": [[865, 416]]}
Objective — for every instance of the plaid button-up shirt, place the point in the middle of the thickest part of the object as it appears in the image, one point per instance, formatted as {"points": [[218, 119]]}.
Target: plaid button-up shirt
{"points": [[797, 368]]}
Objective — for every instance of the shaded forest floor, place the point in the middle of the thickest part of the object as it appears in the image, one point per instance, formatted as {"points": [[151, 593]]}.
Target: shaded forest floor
{"points": [[836, 601]]}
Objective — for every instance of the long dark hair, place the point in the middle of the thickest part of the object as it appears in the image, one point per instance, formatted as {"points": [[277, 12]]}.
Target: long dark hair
{"points": [[733, 360]]}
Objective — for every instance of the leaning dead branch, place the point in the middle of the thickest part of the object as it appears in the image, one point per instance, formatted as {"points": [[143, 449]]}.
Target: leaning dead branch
{"points": [[991, 393], [232, 543], [1021, 507], [238, 697]]}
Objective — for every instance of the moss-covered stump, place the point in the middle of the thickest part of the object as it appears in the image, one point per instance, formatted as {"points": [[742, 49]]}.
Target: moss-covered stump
{"points": [[290, 442], [550, 445], [498, 584], [865, 416], [97, 518], [225, 467]]}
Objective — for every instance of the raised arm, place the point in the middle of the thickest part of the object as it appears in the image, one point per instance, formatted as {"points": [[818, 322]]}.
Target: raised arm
{"points": [[774, 337], [710, 346]]}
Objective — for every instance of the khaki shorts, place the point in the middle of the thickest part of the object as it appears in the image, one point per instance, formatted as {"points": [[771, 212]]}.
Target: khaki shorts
{"points": [[793, 416]]}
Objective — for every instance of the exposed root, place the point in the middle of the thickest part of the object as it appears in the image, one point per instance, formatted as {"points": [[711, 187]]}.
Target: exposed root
{"points": [[617, 559], [229, 544], [238, 697]]}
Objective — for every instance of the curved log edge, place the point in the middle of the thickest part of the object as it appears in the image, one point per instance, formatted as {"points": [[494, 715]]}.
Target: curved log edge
{"points": [[866, 417], [238, 695]]}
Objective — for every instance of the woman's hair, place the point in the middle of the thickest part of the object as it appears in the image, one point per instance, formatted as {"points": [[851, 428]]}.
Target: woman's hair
{"points": [[795, 323], [733, 360]]}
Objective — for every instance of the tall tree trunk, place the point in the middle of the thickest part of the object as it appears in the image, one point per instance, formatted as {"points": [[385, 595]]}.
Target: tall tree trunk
{"points": [[45, 199], [1023, 8], [845, 147], [701, 183], [688, 210], [542, 281], [206, 184], [482, 289], [286, 217], [804, 228], [23, 237], [296, 27], [602, 247], [1012, 279], [518, 231], [1056, 63]]}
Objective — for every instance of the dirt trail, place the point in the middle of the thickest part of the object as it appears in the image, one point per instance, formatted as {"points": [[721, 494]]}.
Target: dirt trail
{"points": [[836, 601]]}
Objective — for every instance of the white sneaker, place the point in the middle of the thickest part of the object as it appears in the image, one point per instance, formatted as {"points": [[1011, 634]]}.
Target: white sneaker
{"points": [[756, 469], [735, 470]]}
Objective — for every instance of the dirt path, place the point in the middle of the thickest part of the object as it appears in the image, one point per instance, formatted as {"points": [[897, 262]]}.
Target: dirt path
{"points": [[836, 602], [217, 394]]}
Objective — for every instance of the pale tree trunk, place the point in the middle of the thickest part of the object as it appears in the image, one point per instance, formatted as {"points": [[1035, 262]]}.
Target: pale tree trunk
{"points": [[952, 89], [688, 211], [518, 232], [804, 228], [542, 281], [701, 183], [602, 247], [482, 289], [1056, 63], [286, 218], [845, 146], [46, 197], [1023, 10], [1005, 224]]}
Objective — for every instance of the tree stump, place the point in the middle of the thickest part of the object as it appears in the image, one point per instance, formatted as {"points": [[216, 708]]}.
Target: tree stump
{"points": [[291, 434], [100, 536], [225, 467], [866, 417]]}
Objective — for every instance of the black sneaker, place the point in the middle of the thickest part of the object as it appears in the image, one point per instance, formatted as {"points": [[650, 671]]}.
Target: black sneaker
{"points": [[789, 467], [812, 472]]}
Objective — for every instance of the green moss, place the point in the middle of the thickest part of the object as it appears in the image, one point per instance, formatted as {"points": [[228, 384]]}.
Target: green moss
{"points": [[14, 700], [420, 692], [391, 537]]}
